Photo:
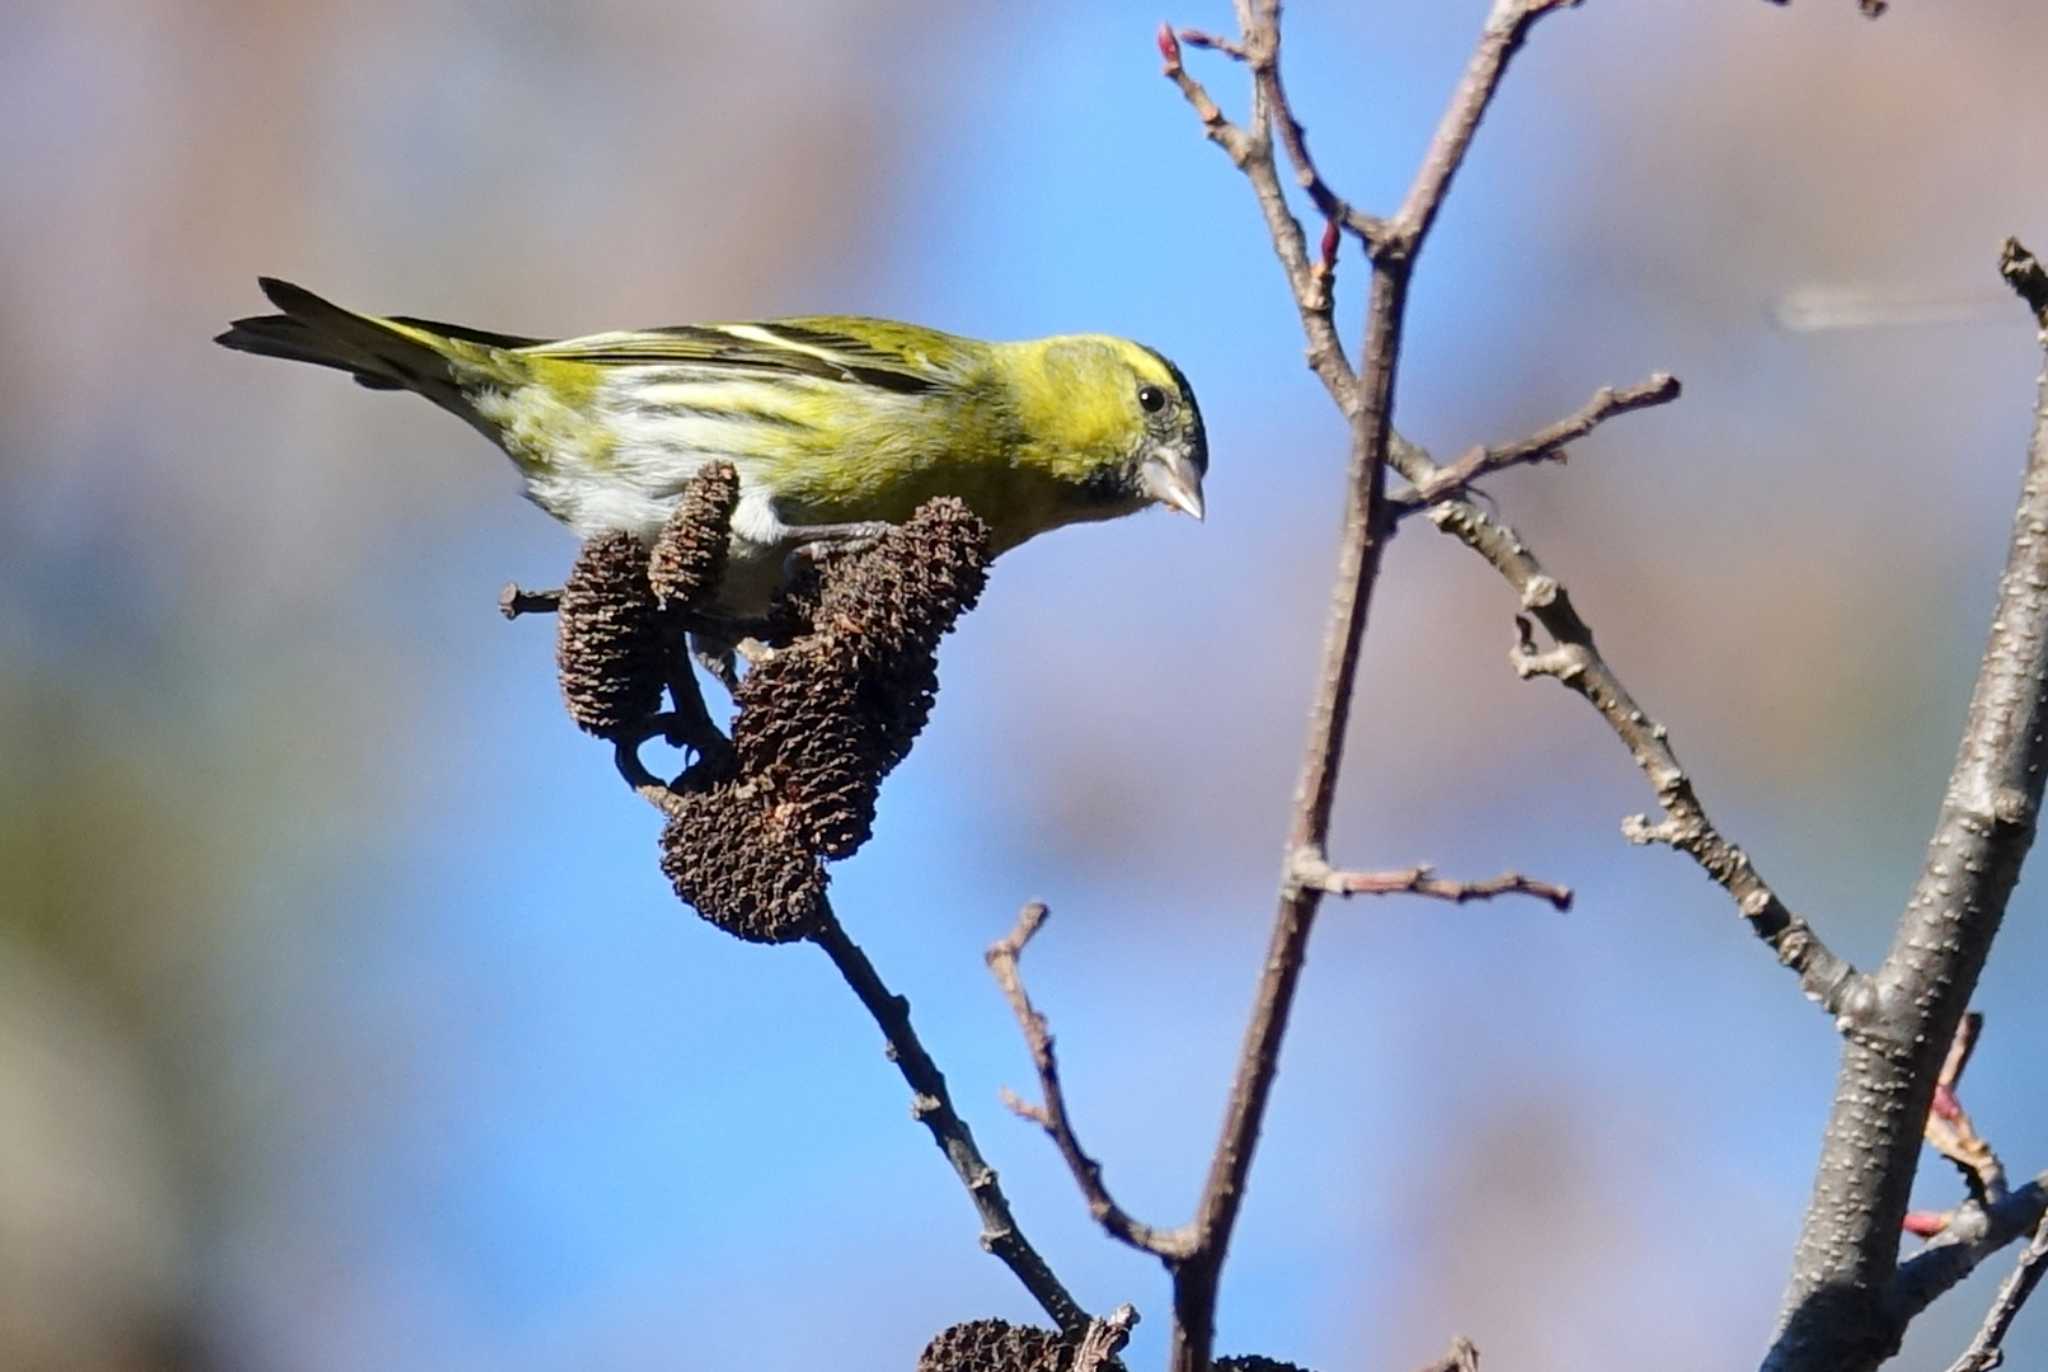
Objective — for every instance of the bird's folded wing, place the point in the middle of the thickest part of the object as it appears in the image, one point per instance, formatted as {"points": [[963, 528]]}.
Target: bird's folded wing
{"points": [[889, 358]]}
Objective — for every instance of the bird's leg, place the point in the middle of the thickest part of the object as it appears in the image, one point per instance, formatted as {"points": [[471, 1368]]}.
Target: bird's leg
{"points": [[714, 653], [676, 727], [690, 725], [860, 533], [810, 542], [626, 751]]}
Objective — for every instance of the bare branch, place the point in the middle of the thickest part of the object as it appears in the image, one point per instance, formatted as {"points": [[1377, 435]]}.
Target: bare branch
{"points": [[1871, 8], [1236, 144], [1229, 47], [1974, 1233], [1839, 1309], [1053, 1117], [1420, 881], [1262, 51], [1545, 445], [1507, 28], [515, 600], [1576, 662], [2023, 272], [1252, 153], [932, 1106], [1986, 1350], [1104, 1339], [1951, 1132], [1368, 403], [1463, 1357]]}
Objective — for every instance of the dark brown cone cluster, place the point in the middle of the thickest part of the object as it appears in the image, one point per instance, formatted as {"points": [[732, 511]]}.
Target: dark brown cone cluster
{"points": [[831, 714], [998, 1346], [607, 644], [732, 856], [821, 722], [611, 638], [688, 560]]}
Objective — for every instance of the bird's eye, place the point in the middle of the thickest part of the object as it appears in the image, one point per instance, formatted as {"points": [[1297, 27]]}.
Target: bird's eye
{"points": [[1151, 399]]}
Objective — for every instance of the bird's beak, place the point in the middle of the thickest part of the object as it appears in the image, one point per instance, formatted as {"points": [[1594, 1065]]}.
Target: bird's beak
{"points": [[1174, 481]]}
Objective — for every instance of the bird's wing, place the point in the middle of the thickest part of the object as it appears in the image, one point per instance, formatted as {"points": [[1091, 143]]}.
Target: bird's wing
{"points": [[893, 357]]}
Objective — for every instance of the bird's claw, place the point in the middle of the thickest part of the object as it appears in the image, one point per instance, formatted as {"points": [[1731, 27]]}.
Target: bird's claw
{"points": [[815, 542]]}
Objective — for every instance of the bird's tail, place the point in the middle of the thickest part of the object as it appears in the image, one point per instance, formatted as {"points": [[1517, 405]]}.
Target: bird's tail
{"points": [[440, 361]]}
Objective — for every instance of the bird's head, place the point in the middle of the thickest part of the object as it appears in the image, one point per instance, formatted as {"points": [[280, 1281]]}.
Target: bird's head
{"points": [[1113, 420]]}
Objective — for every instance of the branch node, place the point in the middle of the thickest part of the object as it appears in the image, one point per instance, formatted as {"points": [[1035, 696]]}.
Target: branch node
{"points": [[2024, 273], [932, 1106], [515, 600], [1545, 445], [1169, 48], [1104, 1339], [1568, 662], [1199, 38], [1421, 880], [1052, 1116]]}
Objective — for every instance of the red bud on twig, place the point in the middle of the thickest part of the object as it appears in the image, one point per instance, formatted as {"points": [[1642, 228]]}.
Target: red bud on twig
{"points": [[1169, 46]]}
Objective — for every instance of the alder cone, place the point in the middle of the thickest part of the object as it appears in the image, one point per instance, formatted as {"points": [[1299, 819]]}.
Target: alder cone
{"points": [[820, 722], [831, 714], [607, 644], [688, 561], [999, 1346], [734, 859]]}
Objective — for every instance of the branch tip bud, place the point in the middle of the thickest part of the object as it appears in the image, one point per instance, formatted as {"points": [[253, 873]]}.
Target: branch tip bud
{"points": [[1169, 46]]}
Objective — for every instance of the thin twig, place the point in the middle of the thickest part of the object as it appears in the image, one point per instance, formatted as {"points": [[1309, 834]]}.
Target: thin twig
{"points": [[1974, 1234], [2023, 272], [1053, 1116], [1576, 662], [1422, 881], [1545, 445], [515, 600], [1262, 51], [932, 1105], [1987, 1350], [1824, 976], [1235, 143], [1463, 1357], [1952, 1133], [1199, 38], [1871, 8], [1104, 1339], [1367, 401], [1507, 28], [1251, 152], [1841, 1310]]}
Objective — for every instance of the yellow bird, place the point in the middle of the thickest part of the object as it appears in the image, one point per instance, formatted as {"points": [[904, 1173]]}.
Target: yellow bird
{"points": [[838, 426]]}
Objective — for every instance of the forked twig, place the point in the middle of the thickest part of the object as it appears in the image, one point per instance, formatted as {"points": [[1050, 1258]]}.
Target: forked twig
{"points": [[1422, 881], [1987, 1349], [1366, 400], [932, 1106], [1053, 1116], [1545, 445]]}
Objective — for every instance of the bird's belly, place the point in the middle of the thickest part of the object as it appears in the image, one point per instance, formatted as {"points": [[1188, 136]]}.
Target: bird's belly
{"points": [[629, 498], [753, 574]]}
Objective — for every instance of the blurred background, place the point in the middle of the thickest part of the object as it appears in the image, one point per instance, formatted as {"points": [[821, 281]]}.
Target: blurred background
{"points": [[345, 1018]]}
